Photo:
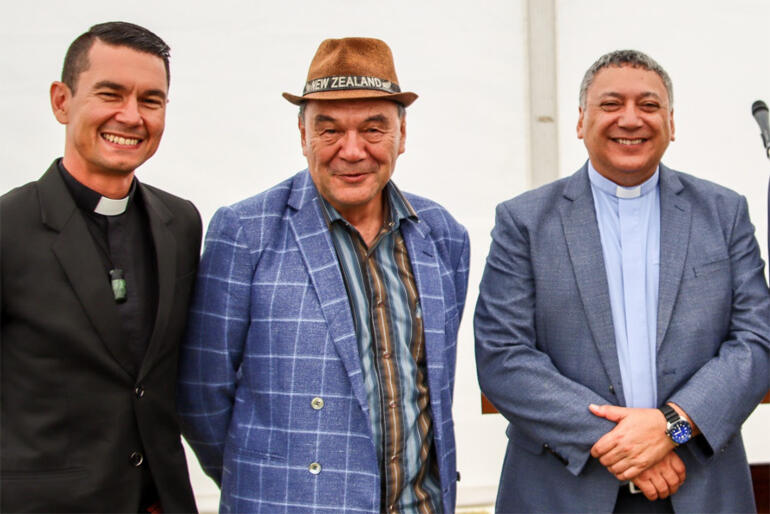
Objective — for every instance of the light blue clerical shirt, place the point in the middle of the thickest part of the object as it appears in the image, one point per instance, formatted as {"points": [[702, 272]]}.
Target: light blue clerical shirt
{"points": [[629, 224]]}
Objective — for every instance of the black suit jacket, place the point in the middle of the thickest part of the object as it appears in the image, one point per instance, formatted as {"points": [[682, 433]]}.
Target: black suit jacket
{"points": [[76, 413]]}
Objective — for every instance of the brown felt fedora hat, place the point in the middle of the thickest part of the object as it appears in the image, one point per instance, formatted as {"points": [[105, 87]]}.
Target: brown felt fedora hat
{"points": [[351, 68]]}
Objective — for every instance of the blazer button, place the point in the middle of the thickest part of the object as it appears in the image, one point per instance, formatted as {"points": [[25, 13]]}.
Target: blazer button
{"points": [[139, 391], [317, 403], [314, 468], [612, 389], [136, 459]]}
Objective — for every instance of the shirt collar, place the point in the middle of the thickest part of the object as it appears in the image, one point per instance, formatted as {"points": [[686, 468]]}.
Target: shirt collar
{"points": [[611, 188], [91, 201], [398, 208]]}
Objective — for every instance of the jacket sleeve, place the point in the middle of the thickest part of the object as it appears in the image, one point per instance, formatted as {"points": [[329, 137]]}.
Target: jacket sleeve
{"points": [[545, 407], [213, 346], [721, 394]]}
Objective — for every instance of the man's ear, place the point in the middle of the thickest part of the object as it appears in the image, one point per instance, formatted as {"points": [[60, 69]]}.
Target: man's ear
{"points": [[302, 135], [671, 121], [60, 101], [580, 123], [402, 143]]}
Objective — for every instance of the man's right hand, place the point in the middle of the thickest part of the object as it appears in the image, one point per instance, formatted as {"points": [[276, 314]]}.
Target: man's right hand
{"points": [[662, 479]]}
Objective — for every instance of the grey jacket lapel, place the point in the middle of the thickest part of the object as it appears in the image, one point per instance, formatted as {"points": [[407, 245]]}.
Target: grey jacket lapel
{"points": [[317, 249], [675, 219], [581, 232], [78, 256], [165, 251]]}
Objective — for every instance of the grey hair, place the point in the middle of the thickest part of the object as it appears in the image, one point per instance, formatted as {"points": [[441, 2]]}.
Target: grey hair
{"points": [[301, 114], [619, 58]]}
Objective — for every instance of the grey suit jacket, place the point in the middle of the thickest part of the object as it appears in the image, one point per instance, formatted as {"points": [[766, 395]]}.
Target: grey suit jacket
{"points": [[545, 343]]}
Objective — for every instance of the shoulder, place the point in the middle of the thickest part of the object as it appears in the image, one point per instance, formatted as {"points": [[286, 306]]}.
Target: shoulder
{"points": [[19, 196], [174, 203], [708, 201], [272, 200], [20, 209], [699, 187], [261, 218], [441, 222], [543, 198]]}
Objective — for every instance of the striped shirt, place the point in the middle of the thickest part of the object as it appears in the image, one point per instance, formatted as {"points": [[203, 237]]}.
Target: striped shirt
{"points": [[386, 309]]}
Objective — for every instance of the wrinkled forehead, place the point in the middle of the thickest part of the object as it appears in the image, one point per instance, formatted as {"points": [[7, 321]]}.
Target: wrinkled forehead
{"points": [[350, 109], [627, 78]]}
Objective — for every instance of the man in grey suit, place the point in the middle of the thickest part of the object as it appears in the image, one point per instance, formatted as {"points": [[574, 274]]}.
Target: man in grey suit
{"points": [[622, 321]]}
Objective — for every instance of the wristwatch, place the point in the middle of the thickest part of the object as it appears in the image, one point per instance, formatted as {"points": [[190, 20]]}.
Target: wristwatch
{"points": [[677, 429]]}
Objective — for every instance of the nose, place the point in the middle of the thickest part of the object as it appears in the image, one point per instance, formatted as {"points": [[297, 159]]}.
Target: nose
{"points": [[352, 147], [629, 117], [128, 113]]}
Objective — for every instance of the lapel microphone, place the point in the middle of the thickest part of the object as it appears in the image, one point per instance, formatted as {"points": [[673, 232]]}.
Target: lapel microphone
{"points": [[759, 111]]}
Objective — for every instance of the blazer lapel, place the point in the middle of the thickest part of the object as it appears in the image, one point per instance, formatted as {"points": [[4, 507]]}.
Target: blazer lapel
{"points": [[675, 219], [424, 260], [78, 256], [317, 249], [581, 232], [165, 252]]}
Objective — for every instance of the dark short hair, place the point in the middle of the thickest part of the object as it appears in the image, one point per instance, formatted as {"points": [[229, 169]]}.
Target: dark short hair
{"points": [[619, 58], [115, 33]]}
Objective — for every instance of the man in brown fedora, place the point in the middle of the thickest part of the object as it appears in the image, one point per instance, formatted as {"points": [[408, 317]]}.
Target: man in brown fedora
{"points": [[318, 369]]}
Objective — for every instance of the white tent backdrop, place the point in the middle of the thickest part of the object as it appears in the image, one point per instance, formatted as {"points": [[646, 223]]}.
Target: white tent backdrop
{"points": [[229, 134]]}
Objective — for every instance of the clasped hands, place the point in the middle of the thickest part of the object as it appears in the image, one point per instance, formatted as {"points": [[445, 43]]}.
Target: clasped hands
{"points": [[639, 450]]}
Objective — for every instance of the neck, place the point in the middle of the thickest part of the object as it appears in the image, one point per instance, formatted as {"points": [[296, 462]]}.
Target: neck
{"points": [[628, 179], [111, 185], [367, 219]]}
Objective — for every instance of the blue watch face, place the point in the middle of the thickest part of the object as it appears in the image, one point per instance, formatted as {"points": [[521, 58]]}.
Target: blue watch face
{"points": [[680, 432]]}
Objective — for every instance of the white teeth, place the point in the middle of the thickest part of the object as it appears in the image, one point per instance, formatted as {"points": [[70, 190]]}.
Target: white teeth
{"points": [[120, 140], [629, 141]]}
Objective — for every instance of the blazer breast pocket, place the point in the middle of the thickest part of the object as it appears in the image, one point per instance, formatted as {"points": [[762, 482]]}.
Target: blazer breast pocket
{"points": [[708, 268]]}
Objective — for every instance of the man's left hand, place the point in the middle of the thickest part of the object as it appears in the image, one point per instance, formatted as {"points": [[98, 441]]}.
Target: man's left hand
{"points": [[637, 442]]}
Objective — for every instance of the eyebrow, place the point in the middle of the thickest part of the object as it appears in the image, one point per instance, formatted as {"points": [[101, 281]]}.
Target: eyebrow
{"points": [[108, 84], [323, 117], [378, 118]]}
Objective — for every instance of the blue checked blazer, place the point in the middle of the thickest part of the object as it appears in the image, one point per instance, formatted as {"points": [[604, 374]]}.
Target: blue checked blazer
{"points": [[271, 332]]}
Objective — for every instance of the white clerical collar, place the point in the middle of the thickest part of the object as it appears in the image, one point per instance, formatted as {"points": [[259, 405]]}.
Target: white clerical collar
{"points": [[110, 207], [611, 188]]}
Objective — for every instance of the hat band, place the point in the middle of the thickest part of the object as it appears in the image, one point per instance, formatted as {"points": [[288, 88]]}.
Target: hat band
{"points": [[343, 82]]}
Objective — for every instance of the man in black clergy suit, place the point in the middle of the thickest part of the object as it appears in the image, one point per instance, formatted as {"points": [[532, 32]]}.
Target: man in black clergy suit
{"points": [[96, 272]]}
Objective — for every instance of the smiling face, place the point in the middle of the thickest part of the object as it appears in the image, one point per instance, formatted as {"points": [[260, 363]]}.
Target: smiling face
{"points": [[351, 148], [115, 117], [626, 124]]}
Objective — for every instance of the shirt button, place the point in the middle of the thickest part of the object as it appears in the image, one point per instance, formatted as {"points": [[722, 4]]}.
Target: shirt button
{"points": [[136, 459], [314, 468], [386, 355], [393, 458], [139, 391], [317, 403], [392, 404], [612, 389]]}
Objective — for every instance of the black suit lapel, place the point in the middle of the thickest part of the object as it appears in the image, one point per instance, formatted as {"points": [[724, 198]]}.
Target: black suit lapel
{"points": [[78, 256], [165, 256]]}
